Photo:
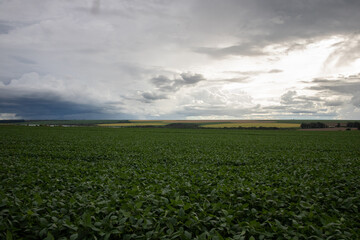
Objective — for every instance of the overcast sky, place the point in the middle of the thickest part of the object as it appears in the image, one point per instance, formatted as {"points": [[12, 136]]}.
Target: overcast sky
{"points": [[188, 59]]}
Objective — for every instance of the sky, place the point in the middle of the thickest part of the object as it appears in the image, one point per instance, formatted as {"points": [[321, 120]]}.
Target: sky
{"points": [[188, 59]]}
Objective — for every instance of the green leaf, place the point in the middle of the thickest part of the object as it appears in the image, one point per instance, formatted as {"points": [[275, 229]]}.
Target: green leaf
{"points": [[49, 236], [181, 212], [138, 205], [87, 219], [9, 235], [187, 234], [74, 236]]}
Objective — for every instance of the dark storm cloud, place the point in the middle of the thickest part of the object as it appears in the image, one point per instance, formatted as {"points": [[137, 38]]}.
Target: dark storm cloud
{"points": [[45, 106], [49, 106], [166, 84]]}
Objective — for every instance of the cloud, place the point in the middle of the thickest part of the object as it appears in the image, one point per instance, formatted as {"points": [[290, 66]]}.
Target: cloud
{"points": [[293, 105], [109, 56], [344, 52], [289, 97], [254, 25], [95, 7], [328, 97], [248, 49], [33, 96], [231, 80], [275, 71], [23, 60], [213, 101], [5, 28], [344, 85], [334, 103], [256, 72], [8, 116], [150, 96], [166, 84], [46, 106]]}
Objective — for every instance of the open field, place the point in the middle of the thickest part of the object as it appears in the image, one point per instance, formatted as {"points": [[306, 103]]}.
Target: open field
{"points": [[216, 121], [132, 124], [254, 124], [157, 183], [187, 123], [206, 123]]}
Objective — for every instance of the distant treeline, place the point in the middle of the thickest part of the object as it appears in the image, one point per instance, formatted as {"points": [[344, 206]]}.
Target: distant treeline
{"points": [[353, 124], [314, 125], [12, 121], [323, 125]]}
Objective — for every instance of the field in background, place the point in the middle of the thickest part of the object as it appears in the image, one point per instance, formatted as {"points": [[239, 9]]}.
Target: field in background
{"points": [[332, 125], [253, 125], [132, 124], [206, 123], [160, 183]]}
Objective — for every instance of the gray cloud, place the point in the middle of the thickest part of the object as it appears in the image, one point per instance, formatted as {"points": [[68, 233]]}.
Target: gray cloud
{"points": [[257, 24], [341, 85], [24, 60], [304, 111], [275, 71], [334, 103], [289, 97], [301, 106], [232, 80], [252, 73], [95, 7], [248, 49], [355, 100], [217, 111], [309, 98], [150, 96], [166, 84], [5, 28], [329, 98]]}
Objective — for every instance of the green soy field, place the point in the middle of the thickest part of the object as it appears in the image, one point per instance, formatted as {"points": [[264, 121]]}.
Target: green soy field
{"points": [[154, 183]]}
